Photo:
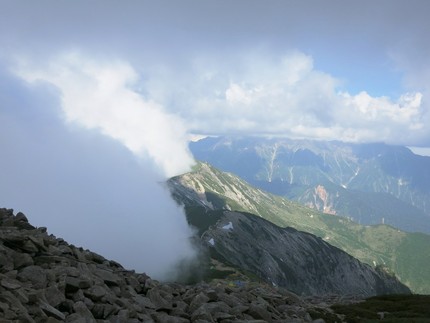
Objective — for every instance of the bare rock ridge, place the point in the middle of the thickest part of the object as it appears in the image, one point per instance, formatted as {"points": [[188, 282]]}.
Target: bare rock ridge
{"points": [[299, 261], [45, 279]]}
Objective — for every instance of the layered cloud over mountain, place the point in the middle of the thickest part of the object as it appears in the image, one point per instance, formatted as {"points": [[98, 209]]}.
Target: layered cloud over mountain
{"points": [[349, 71], [288, 96]]}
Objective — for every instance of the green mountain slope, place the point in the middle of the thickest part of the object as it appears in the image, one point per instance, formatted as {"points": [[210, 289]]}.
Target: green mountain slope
{"points": [[405, 254], [371, 183]]}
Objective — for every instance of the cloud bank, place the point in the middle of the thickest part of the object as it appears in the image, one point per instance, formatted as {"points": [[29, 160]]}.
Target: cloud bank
{"points": [[288, 96], [102, 192], [100, 95]]}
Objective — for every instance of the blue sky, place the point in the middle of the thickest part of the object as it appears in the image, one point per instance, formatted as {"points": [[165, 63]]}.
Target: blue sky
{"points": [[136, 79]]}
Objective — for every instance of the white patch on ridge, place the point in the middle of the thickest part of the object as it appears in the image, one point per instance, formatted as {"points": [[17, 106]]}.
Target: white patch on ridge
{"points": [[228, 226], [212, 241]]}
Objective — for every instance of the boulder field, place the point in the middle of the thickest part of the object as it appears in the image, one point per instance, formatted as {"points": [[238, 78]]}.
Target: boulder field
{"points": [[45, 279]]}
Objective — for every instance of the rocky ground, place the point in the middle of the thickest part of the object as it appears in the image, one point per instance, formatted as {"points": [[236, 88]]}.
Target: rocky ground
{"points": [[45, 279]]}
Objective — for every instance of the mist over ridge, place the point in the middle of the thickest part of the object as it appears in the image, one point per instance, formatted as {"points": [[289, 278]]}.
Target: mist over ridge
{"points": [[84, 186]]}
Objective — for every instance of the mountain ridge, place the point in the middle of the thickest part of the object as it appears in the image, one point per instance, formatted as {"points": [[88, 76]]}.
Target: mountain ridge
{"points": [[371, 183], [406, 254]]}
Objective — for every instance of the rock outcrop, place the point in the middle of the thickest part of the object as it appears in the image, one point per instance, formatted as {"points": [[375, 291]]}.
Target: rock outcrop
{"points": [[45, 279], [298, 261]]}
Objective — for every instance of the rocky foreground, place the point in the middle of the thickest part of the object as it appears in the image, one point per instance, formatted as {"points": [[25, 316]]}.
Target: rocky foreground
{"points": [[45, 279]]}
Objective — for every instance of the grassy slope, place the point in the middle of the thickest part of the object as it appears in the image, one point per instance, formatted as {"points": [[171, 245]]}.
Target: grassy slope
{"points": [[406, 254]]}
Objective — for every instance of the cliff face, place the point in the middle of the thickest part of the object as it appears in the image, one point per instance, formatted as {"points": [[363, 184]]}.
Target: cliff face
{"points": [[298, 261], [320, 199]]}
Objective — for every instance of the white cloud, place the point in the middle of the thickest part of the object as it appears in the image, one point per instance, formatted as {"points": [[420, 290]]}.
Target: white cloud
{"points": [[100, 95], [420, 151], [287, 96], [84, 186], [235, 94], [405, 111], [261, 94]]}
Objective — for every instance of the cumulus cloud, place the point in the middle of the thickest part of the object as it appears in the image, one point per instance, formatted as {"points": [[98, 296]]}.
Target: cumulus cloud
{"points": [[96, 191], [100, 95], [287, 95]]}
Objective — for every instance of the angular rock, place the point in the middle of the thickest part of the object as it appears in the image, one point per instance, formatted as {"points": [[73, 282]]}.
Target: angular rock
{"points": [[259, 311], [159, 301], [197, 301], [21, 222], [34, 274], [103, 311], [21, 295], [162, 317], [95, 293], [10, 284], [144, 302], [231, 300], [36, 296], [22, 260], [238, 309], [207, 311], [81, 309], [134, 283], [78, 296], [51, 311], [76, 318], [108, 277], [54, 296], [123, 316], [6, 263], [37, 242], [73, 284]]}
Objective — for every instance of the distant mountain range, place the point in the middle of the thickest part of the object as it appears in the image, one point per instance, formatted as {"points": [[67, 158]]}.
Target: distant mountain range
{"points": [[209, 193], [368, 183]]}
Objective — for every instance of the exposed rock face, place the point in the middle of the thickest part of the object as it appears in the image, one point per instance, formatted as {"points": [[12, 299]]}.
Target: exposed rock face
{"points": [[298, 261], [44, 279], [321, 200]]}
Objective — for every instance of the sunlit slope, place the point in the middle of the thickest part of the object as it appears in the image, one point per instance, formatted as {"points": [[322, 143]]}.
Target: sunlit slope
{"points": [[406, 254]]}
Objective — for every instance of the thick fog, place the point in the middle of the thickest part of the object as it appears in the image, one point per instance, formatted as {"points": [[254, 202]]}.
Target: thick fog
{"points": [[85, 187]]}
